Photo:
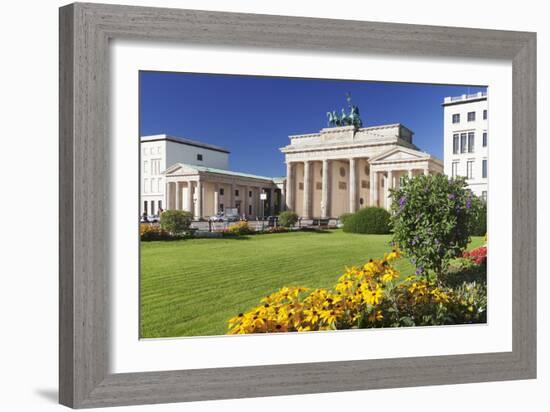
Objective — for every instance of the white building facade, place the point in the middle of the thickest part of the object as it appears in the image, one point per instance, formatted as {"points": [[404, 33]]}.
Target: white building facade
{"points": [[466, 139], [335, 171], [341, 169], [158, 152]]}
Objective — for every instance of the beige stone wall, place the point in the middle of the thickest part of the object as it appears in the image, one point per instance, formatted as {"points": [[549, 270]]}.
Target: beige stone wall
{"points": [[339, 199]]}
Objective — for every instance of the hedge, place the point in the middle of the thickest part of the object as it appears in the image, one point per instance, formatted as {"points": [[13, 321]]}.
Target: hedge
{"points": [[369, 220]]}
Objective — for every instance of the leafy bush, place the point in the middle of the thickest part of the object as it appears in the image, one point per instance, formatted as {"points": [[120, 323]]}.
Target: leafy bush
{"points": [[278, 229], [151, 231], [432, 218], [479, 224], [287, 218], [176, 222], [369, 220], [344, 217], [369, 296], [240, 229]]}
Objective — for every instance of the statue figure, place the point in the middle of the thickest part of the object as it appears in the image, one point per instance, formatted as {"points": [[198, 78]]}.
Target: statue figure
{"points": [[351, 119]]}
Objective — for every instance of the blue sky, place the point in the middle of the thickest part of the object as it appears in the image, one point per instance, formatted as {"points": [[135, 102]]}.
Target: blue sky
{"points": [[253, 116]]}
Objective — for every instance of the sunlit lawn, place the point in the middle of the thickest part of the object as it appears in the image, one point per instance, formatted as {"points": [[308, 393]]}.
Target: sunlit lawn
{"points": [[192, 287]]}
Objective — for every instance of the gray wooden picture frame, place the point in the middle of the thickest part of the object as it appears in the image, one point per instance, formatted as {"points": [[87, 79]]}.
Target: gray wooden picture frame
{"points": [[85, 31]]}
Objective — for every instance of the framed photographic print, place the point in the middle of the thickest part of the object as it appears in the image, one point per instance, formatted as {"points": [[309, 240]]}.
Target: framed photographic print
{"points": [[268, 205]]}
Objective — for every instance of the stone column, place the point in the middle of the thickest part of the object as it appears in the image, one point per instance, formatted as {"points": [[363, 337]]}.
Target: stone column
{"points": [[216, 199], [426, 171], [178, 196], [410, 171], [198, 209], [307, 190], [246, 200], [375, 189], [371, 187], [289, 187], [168, 196], [325, 194], [352, 185], [231, 197], [189, 196], [389, 185]]}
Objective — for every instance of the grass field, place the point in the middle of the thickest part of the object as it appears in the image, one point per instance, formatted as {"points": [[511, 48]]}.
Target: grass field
{"points": [[192, 287]]}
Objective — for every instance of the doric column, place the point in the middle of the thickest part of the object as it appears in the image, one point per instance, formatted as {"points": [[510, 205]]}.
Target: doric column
{"points": [[352, 185], [375, 189], [246, 200], [198, 209], [307, 189], [426, 171], [216, 199], [325, 195], [410, 173], [231, 197], [178, 196], [189, 207], [389, 185], [289, 187], [168, 196]]}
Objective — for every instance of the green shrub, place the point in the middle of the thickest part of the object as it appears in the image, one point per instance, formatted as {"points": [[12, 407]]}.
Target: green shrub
{"points": [[344, 217], [432, 218], [369, 220], [287, 218], [175, 221], [479, 224]]}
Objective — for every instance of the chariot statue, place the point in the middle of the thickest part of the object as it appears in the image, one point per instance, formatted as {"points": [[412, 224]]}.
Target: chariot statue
{"points": [[345, 119]]}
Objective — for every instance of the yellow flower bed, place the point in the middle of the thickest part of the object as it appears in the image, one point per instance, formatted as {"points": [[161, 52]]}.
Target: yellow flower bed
{"points": [[354, 301]]}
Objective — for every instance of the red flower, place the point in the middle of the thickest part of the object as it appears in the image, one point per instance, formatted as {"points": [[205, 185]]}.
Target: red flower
{"points": [[478, 256]]}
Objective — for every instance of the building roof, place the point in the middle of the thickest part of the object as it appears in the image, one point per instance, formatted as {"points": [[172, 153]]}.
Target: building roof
{"points": [[182, 140], [464, 98], [217, 171]]}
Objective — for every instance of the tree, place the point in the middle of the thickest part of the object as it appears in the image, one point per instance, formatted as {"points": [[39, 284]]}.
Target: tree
{"points": [[175, 221], [431, 219]]}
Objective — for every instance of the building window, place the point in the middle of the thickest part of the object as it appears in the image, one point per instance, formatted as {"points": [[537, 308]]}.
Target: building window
{"points": [[159, 185], [485, 114], [318, 186], [361, 201], [250, 193], [364, 184], [342, 185], [471, 116], [301, 186], [471, 142], [236, 192], [455, 143], [199, 157], [484, 196], [221, 207], [470, 169], [343, 172], [463, 143], [367, 170], [146, 185], [153, 207], [456, 118], [155, 166], [160, 206], [484, 139], [454, 172], [249, 209], [145, 207], [221, 191], [145, 167], [484, 168]]}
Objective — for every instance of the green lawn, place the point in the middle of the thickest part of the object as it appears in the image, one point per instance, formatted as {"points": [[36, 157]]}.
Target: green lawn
{"points": [[192, 287]]}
